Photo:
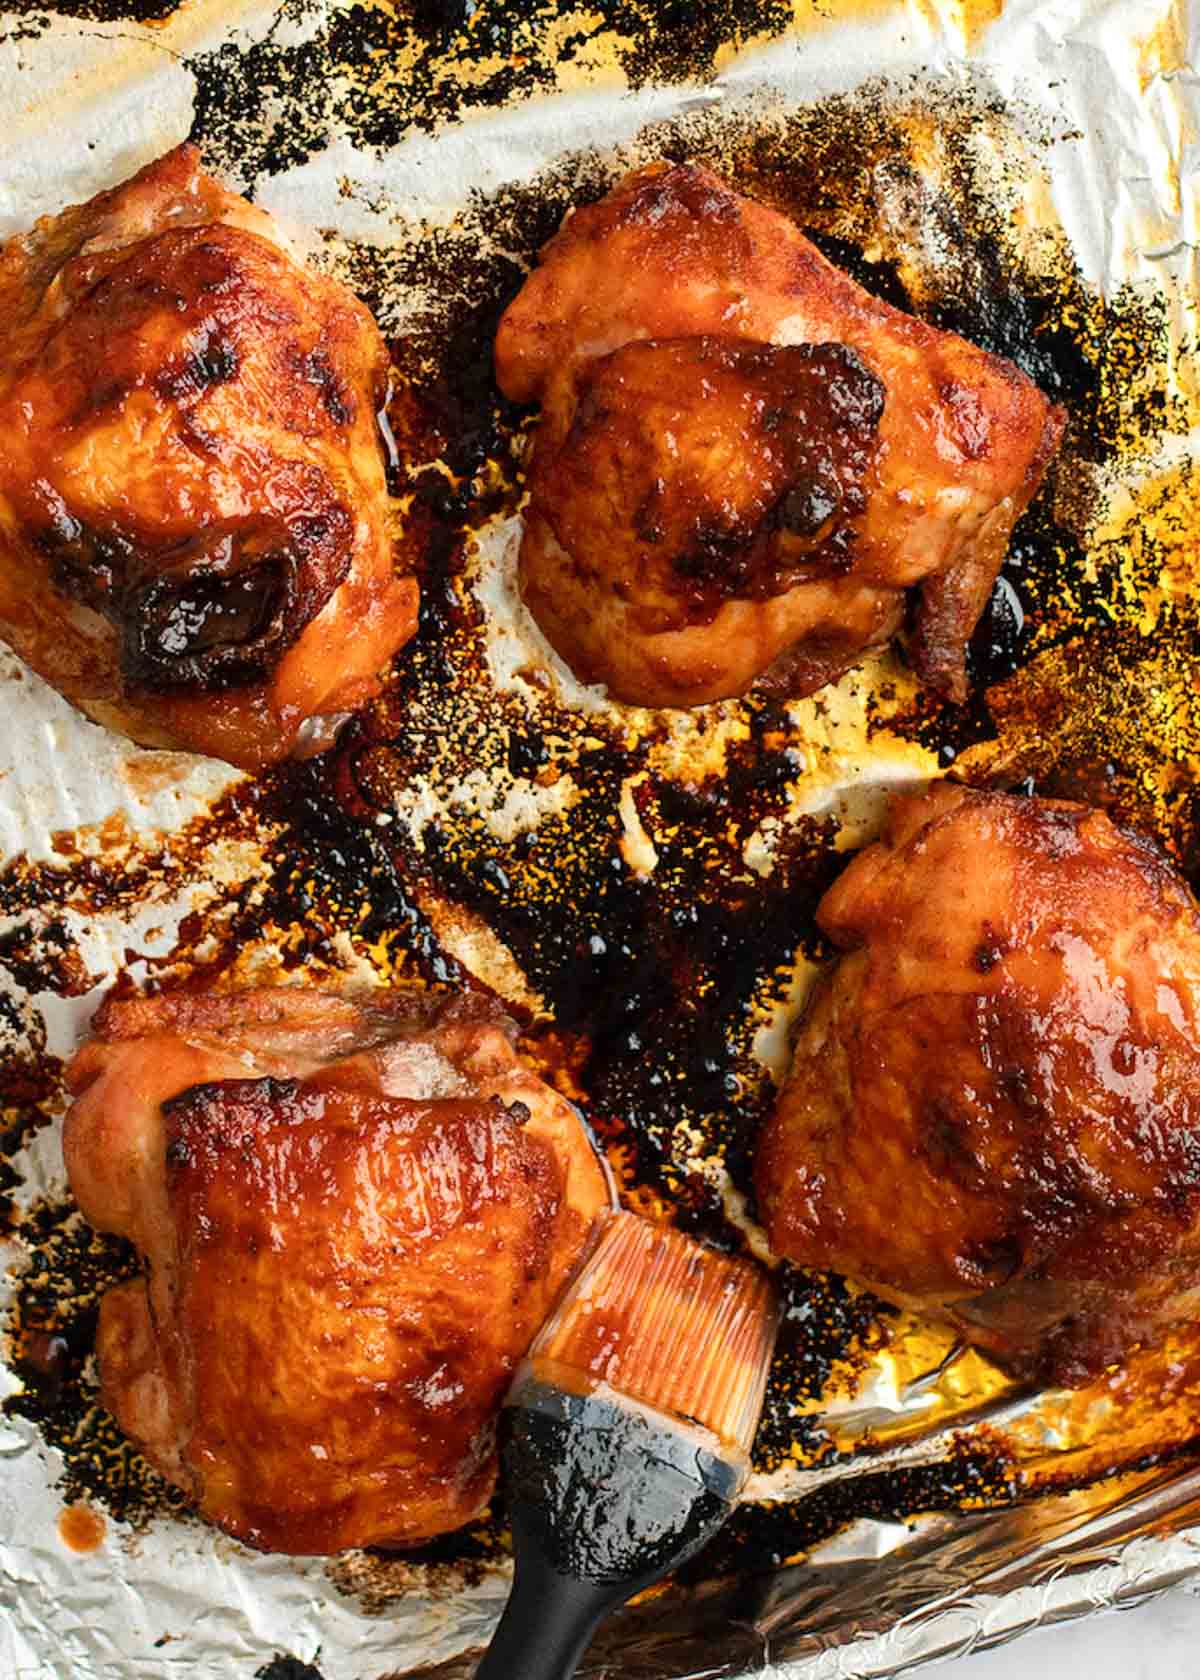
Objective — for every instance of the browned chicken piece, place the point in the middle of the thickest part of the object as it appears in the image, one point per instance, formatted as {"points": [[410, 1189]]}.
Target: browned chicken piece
{"points": [[355, 1213], [193, 510], [745, 459], [993, 1113]]}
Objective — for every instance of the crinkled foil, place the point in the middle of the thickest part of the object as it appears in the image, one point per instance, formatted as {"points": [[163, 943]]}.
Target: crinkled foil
{"points": [[1026, 172]]}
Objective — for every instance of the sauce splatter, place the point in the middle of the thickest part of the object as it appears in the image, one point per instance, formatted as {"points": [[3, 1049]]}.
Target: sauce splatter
{"points": [[81, 1529]]}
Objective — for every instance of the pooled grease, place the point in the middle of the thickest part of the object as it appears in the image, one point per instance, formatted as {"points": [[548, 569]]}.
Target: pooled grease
{"points": [[655, 981]]}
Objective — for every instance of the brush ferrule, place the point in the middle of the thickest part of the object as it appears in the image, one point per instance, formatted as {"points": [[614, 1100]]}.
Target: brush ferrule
{"points": [[609, 1491], [567, 1396]]}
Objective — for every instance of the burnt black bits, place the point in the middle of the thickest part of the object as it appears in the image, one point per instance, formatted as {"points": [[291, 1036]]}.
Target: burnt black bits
{"points": [[422, 63]]}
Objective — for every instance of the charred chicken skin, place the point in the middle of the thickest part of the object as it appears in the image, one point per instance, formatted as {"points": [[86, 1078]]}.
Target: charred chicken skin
{"points": [[354, 1212], [744, 459], [994, 1108], [193, 509]]}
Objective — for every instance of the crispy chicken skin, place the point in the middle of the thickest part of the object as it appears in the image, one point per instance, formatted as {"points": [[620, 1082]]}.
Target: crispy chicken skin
{"points": [[193, 509], [355, 1212], [744, 459], [994, 1108]]}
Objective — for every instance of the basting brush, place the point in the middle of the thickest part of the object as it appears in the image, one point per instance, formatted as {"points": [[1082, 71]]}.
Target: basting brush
{"points": [[625, 1438]]}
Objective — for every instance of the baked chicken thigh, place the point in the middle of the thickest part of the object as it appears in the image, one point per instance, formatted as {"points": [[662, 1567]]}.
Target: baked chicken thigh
{"points": [[744, 459], [193, 510], [994, 1108], [355, 1213]]}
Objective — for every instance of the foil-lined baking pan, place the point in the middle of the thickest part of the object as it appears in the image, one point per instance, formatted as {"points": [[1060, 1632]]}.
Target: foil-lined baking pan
{"points": [[638, 887]]}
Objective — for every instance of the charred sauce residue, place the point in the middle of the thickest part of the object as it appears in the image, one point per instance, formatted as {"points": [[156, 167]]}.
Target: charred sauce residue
{"points": [[36, 16], [425, 61], [420, 63], [283, 1667], [655, 981]]}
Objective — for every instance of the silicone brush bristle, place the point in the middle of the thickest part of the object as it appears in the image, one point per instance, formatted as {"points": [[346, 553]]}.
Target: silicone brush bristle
{"points": [[669, 1323]]}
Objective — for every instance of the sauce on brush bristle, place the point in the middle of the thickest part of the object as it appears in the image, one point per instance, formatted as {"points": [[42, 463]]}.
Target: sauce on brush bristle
{"points": [[671, 1324]]}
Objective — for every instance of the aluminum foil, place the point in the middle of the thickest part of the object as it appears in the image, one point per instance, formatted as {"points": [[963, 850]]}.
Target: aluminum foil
{"points": [[391, 162]]}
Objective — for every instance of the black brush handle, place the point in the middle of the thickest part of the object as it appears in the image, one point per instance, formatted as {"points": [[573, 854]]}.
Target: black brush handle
{"points": [[547, 1624], [603, 1500]]}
